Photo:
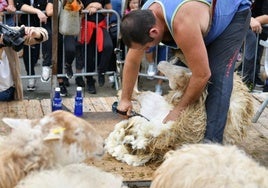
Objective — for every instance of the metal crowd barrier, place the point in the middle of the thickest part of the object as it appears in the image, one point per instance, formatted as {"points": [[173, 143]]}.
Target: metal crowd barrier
{"points": [[265, 102], [83, 73], [265, 45]]}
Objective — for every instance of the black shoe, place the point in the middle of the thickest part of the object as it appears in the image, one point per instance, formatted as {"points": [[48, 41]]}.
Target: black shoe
{"points": [[259, 82], [68, 71], [80, 81], [66, 82], [113, 85], [91, 87], [63, 90], [265, 88], [101, 79]]}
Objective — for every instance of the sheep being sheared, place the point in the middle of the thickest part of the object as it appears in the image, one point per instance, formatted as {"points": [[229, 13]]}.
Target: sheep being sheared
{"points": [[240, 111], [59, 138], [137, 141], [210, 166], [71, 176]]}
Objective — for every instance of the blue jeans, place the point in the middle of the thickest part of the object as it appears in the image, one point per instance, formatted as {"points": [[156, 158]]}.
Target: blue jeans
{"points": [[9, 19], [7, 95], [222, 54]]}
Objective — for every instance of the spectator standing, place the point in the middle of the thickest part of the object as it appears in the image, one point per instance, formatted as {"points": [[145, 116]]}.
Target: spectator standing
{"points": [[132, 5], [47, 51], [259, 17], [9, 16], [31, 53], [117, 43], [157, 54], [72, 52], [94, 35], [10, 81]]}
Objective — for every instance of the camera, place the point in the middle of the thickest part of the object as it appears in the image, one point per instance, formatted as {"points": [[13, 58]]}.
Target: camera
{"points": [[12, 37]]}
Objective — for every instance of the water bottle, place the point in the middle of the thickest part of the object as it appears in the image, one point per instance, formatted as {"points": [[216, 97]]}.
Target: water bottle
{"points": [[57, 101], [78, 102]]}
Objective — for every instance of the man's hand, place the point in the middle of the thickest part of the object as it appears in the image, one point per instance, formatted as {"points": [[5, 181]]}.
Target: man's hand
{"points": [[172, 115], [42, 16], [125, 106], [255, 25], [93, 7], [10, 8], [31, 32]]}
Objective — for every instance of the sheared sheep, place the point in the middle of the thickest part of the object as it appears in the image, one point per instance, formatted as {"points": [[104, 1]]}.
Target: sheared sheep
{"points": [[137, 141], [210, 166], [59, 138], [70, 176]]}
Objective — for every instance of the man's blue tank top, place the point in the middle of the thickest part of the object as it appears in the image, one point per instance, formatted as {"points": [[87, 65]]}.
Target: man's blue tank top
{"points": [[223, 14]]}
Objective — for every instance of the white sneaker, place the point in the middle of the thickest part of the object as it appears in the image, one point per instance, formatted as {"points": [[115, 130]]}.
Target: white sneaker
{"points": [[31, 85], [45, 75], [158, 89], [111, 79], [151, 69]]}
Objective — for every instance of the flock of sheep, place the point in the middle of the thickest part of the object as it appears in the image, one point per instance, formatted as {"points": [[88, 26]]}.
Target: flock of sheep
{"points": [[49, 152]]}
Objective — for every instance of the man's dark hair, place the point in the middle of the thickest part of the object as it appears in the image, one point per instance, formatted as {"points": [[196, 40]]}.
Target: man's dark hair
{"points": [[135, 27]]}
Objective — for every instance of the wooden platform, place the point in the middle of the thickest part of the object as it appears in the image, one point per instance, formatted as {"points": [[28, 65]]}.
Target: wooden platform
{"points": [[38, 108], [98, 111]]}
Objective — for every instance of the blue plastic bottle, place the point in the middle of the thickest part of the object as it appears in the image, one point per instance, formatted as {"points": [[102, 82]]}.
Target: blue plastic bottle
{"points": [[78, 103], [57, 101]]}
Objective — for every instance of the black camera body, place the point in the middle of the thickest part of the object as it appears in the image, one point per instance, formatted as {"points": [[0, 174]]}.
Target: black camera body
{"points": [[12, 38]]}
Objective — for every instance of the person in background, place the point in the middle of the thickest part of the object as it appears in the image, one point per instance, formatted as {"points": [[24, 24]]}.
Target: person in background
{"points": [[132, 5], [90, 37], [209, 33], [157, 54], [47, 51], [9, 16], [71, 49], [117, 43], [259, 18], [37, 17], [10, 81]]}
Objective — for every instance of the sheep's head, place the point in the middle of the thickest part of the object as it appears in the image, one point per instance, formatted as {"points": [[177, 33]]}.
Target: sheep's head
{"points": [[70, 138], [178, 76]]}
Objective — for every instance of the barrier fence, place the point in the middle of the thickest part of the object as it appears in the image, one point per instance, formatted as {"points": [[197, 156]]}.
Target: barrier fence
{"points": [[84, 13], [119, 61]]}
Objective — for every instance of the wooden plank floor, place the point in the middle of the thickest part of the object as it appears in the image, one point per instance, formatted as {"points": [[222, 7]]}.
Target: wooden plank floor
{"points": [[38, 108], [34, 109]]}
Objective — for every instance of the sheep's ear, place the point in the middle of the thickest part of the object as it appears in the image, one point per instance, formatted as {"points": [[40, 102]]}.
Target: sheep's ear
{"points": [[54, 134], [15, 123]]}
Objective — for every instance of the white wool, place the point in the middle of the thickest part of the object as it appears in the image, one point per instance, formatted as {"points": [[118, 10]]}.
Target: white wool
{"points": [[24, 138], [137, 133], [153, 106], [68, 154], [135, 160], [36, 145], [71, 176], [46, 120], [143, 130], [210, 166]]}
